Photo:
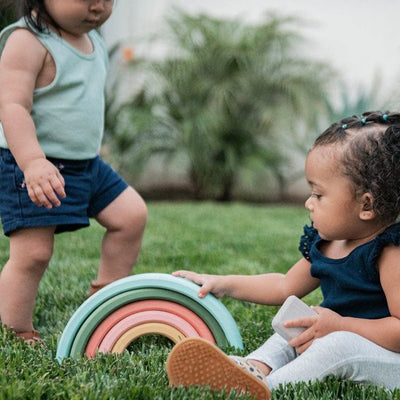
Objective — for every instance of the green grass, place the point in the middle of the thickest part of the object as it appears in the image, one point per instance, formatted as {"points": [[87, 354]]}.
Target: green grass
{"points": [[206, 237]]}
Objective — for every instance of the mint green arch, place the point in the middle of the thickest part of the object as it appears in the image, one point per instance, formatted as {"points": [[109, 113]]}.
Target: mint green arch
{"points": [[210, 304]]}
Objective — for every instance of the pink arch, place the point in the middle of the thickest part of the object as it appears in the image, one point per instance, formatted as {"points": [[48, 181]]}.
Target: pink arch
{"points": [[120, 314]]}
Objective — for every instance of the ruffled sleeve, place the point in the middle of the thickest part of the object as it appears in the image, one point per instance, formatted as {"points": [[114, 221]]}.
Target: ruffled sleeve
{"points": [[389, 236], [306, 241]]}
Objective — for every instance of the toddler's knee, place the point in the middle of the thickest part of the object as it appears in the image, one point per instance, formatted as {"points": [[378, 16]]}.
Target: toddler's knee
{"points": [[134, 220], [38, 258], [137, 218], [141, 212], [342, 341], [340, 337]]}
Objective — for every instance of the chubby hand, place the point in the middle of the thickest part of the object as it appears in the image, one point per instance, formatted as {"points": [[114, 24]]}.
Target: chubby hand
{"points": [[326, 321], [45, 183], [209, 283]]}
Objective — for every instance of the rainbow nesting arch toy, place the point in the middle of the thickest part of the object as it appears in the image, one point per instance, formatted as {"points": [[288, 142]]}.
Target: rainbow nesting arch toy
{"points": [[145, 304]]}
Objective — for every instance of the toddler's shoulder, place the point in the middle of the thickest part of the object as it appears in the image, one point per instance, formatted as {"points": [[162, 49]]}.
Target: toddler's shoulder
{"points": [[23, 46], [390, 237], [20, 36]]}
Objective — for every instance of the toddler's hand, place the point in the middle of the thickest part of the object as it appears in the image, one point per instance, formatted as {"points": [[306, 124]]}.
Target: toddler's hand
{"points": [[209, 283], [325, 322], [45, 183]]}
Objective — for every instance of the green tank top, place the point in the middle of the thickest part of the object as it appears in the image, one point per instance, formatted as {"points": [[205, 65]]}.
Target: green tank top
{"points": [[68, 113]]}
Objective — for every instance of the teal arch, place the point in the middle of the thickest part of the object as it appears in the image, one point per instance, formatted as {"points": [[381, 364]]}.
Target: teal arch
{"points": [[96, 308]]}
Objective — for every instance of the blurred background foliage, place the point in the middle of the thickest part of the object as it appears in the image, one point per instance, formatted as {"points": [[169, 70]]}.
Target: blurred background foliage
{"points": [[237, 105], [228, 113]]}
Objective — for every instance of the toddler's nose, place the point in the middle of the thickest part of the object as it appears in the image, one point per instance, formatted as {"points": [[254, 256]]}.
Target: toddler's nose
{"points": [[308, 204], [97, 5]]}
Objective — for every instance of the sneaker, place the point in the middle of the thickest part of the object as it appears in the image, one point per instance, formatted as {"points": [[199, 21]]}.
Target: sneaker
{"points": [[250, 367], [197, 362]]}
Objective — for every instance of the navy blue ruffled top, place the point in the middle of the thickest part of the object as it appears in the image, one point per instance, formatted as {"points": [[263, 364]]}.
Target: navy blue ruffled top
{"points": [[351, 285]]}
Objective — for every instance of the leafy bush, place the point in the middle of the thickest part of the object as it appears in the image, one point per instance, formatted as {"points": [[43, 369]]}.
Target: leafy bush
{"points": [[222, 99]]}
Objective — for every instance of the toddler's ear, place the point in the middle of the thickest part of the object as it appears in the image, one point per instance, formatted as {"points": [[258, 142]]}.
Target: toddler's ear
{"points": [[367, 212]]}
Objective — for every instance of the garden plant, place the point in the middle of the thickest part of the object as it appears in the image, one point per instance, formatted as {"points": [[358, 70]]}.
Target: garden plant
{"points": [[224, 99]]}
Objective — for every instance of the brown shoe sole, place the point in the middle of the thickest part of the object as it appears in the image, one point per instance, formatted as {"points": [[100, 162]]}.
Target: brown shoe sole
{"points": [[197, 362]]}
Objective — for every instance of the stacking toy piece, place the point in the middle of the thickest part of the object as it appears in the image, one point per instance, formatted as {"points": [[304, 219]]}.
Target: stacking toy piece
{"points": [[143, 304]]}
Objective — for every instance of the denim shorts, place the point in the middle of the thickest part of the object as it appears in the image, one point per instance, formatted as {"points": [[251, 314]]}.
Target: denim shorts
{"points": [[90, 186]]}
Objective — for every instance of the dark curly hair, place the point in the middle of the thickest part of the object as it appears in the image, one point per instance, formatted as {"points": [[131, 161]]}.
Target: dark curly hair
{"points": [[370, 157]]}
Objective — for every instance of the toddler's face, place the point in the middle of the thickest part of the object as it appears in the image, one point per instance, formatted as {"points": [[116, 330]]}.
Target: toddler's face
{"points": [[79, 16], [334, 209]]}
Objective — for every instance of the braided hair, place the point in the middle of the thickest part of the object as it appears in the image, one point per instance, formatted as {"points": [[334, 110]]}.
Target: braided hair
{"points": [[370, 157]]}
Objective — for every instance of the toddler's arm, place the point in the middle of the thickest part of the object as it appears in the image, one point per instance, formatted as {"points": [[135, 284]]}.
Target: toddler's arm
{"points": [[20, 65], [271, 289], [384, 331]]}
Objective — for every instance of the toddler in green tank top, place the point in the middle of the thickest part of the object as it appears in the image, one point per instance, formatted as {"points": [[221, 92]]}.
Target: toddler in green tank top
{"points": [[53, 66]]}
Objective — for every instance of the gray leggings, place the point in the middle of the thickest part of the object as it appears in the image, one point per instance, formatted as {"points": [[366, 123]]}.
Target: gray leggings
{"points": [[344, 355]]}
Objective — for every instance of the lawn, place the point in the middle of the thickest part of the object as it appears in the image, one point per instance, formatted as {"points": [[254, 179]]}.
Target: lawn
{"points": [[207, 237]]}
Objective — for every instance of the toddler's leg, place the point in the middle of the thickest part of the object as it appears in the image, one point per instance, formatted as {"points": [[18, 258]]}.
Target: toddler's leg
{"points": [[30, 253], [344, 355], [273, 354], [125, 220]]}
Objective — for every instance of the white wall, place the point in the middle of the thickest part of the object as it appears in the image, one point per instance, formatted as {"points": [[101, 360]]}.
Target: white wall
{"points": [[358, 37]]}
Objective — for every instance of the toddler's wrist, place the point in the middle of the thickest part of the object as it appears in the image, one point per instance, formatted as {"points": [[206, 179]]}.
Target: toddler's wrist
{"points": [[29, 161]]}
